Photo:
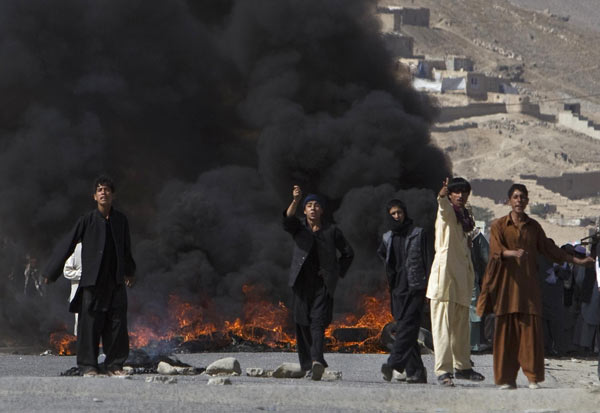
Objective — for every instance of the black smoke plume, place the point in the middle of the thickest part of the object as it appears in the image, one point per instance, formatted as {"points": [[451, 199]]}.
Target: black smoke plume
{"points": [[205, 113]]}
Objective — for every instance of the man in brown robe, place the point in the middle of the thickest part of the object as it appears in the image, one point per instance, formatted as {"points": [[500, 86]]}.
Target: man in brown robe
{"points": [[511, 290]]}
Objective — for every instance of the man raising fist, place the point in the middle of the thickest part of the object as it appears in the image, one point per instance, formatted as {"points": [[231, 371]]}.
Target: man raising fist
{"points": [[314, 274]]}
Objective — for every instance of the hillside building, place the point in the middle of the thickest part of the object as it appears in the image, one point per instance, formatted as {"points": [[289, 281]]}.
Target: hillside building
{"points": [[398, 44], [459, 63], [423, 67], [393, 18], [474, 85]]}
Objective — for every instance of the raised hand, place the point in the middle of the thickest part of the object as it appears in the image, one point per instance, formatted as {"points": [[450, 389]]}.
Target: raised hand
{"points": [[297, 196], [444, 191], [297, 193]]}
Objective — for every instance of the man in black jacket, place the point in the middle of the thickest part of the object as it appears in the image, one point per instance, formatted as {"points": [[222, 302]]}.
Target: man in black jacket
{"points": [[313, 277], [407, 259], [107, 267]]}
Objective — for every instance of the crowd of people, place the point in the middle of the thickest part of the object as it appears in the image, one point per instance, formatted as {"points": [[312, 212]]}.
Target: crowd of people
{"points": [[468, 283], [518, 294]]}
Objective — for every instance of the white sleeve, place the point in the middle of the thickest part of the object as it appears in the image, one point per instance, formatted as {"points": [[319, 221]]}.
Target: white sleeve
{"points": [[72, 270], [446, 210]]}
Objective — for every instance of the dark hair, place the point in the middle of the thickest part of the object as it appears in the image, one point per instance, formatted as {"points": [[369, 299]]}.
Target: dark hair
{"points": [[396, 203], [517, 187], [459, 185], [104, 180]]}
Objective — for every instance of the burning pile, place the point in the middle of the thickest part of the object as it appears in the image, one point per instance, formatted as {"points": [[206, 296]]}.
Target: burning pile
{"points": [[63, 343], [355, 334], [264, 326]]}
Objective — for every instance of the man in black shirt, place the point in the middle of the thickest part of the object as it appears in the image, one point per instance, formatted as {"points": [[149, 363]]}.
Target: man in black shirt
{"points": [[314, 274], [407, 258], [107, 267]]}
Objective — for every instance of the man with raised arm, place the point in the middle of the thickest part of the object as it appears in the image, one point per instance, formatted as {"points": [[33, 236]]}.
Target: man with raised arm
{"points": [[451, 284], [314, 274], [511, 289], [107, 267]]}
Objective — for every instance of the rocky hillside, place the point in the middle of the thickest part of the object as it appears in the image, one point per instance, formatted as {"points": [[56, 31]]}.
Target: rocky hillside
{"points": [[578, 12], [558, 57], [549, 57]]}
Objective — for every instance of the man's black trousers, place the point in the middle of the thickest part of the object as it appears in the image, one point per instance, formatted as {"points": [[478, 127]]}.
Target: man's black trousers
{"points": [[109, 325], [406, 355], [310, 339]]}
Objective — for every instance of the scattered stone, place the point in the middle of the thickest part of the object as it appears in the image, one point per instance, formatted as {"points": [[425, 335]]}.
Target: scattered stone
{"points": [[225, 366], [218, 381], [47, 353], [289, 371], [161, 379], [492, 46], [96, 400], [331, 375], [258, 372], [128, 370], [574, 360], [187, 371], [166, 369]]}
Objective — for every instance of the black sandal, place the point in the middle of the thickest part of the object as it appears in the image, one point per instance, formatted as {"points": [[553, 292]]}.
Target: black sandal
{"points": [[445, 380], [469, 374]]}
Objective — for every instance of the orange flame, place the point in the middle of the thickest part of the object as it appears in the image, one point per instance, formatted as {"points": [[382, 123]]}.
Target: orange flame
{"points": [[63, 343], [262, 322], [376, 314]]}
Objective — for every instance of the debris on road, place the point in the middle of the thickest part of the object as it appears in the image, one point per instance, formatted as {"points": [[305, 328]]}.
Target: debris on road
{"points": [[225, 366], [218, 381], [258, 372], [161, 379], [289, 371]]}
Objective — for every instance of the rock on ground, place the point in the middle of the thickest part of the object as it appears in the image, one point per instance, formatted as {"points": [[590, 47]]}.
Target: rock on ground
{"points": [[258, 372], [161, 379], [289, 371], [166, 369], [331, 375], [224, 366]]}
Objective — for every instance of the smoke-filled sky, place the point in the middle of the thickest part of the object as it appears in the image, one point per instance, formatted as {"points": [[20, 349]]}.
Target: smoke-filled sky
{"points": [[206, 113]]}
